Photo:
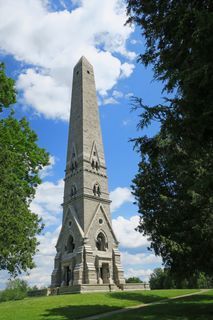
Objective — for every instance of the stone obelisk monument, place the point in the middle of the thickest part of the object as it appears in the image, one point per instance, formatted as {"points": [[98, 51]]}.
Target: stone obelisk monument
{"points": [[87, 250]]}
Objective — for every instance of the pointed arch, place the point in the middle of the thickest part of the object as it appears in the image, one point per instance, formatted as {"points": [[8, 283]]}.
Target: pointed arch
{"points": [[96, 189], [70, 244], [94, 157], [101, 241], [73, 190]]}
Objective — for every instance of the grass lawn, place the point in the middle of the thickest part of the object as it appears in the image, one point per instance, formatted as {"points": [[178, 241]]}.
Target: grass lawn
{"points": [[197, 307], [75, 306]]}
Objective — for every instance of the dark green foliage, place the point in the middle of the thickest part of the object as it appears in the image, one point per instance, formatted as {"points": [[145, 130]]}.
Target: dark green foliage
{"points": [[161, 279], [134, 280], [165, 279], [174, 183], [20, 162], [15, 290], [7, 89]]}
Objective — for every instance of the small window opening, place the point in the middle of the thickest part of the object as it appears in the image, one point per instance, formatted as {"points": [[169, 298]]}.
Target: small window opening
{"points": [[70, 244], [96, 165], [93, 164], [88, 72], [73, 190], [101, 243], [97, 190]]}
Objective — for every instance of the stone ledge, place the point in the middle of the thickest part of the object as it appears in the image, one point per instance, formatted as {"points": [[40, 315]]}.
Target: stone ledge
{"points": [[134, 286]]}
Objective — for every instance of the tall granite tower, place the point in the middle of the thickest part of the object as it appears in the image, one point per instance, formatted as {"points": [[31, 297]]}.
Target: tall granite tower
{"points": [[87, 249]]}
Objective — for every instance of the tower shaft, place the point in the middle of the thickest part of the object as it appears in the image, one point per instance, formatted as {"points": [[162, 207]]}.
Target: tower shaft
{"points": [[87, 247]]}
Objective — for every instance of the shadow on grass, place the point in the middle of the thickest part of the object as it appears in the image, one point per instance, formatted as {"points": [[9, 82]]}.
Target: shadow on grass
{"points": [[194, 298], [198, 307], [137, 297], [172, 311], [76, 312]]}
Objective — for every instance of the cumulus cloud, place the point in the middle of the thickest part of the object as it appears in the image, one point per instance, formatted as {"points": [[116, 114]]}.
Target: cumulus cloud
{"points": [[126, 69], [117, 94], [44, 93], [139, 259], [109, 100], [119, 196], [47, 171], [126, 234], [44, 259], [46, 204], [51, 42], [144, 274]]}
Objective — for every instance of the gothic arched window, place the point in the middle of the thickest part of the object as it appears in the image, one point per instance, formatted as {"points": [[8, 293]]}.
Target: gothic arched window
{"points": [[73, 190], [101, 243], [70, 244], [93, 164], [96, 190]]}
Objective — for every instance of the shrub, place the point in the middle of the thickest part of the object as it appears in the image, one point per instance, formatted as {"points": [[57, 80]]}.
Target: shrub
{"points": [[15, 290], [134, 280]]}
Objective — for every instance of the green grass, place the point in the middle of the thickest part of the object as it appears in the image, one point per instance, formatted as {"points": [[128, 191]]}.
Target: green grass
{"points": [[197, 307], [76, 306]]}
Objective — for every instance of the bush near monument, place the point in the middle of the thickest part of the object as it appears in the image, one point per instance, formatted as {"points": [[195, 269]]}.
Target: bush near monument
{"points": [[134, 280], [15, 290]]}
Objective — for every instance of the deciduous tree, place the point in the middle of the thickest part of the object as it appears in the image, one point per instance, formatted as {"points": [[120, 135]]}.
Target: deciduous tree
{"points": [[20, 161]]}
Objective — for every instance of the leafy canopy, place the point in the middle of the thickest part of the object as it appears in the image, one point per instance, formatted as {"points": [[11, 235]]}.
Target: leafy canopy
{"points": [[20, 161], [174, 183]]}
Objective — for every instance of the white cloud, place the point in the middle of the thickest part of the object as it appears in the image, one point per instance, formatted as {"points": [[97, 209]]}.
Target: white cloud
{"points": [[45, 94], [119, 196], [117, 94], [47, 202], [126, 234], [110, 100], [52, 42], [47, 171], [44, 259], [126, 69], [144, 274], [139, 258]]}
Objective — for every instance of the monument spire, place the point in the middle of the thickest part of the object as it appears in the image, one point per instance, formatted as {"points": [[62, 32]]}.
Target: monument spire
{"points": [[87, 251]]}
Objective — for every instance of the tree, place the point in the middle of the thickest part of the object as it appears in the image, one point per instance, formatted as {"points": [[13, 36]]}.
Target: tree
{"points": [[20, 161], [161, 279], [165, 279], [134, 280], [174, 183]]}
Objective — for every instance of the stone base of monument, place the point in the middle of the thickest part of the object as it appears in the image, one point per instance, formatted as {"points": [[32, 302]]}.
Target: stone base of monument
{"points": [[134, 286], [84, 288]]}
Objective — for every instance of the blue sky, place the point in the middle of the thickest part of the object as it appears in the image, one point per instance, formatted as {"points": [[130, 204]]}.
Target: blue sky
{"points": [[40, 42]]}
